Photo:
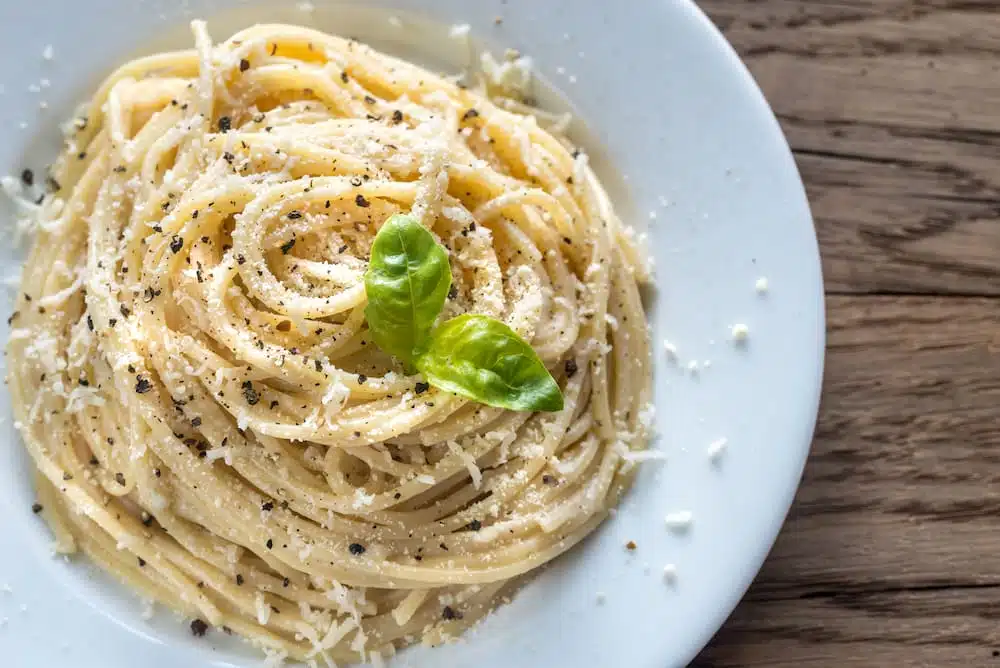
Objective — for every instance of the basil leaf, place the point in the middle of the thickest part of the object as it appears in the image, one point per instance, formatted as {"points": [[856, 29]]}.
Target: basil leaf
{"points": [[484, 360], [407, 282]]}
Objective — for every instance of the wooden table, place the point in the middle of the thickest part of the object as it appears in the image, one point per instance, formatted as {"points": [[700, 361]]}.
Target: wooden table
{"points": [[891, 554]]}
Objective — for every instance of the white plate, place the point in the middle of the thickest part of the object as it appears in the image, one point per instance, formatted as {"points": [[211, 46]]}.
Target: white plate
{"points": [[677, 117]]}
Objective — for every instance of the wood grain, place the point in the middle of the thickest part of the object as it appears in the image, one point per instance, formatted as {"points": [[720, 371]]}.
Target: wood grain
{"points": [[889, 108], [891, 553], [892, 549]]}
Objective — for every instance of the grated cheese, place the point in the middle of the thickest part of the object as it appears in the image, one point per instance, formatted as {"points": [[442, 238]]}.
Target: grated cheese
{"points": [[740, 332], [679, 521], [716, 448], [761, 286], [469, 461], [459, 30]]}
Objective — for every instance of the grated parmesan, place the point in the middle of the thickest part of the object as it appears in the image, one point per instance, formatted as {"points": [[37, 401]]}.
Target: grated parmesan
{"points": [[459, 30], [716, 448], [679, 521], [469, 461]]}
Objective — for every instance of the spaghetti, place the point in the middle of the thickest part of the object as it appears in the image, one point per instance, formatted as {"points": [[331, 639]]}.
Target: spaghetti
{"points": [[192, 372]]}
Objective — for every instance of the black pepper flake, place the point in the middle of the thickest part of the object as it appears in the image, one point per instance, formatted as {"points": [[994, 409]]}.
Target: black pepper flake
{"points": [[397, 116], [369, 99], [475, 525], [146, 518], [157, 473], [249, 393], [94, 461], [342, 248], [239, 579], [198, 628], [119, 169], [421, 387], [196, 422], [273, 404], [269, 543], [142, 385], [567, 240], [240, 259], [287, 246], [90, 323], [142, 562], [225, 124], [36, 508], [362, 378], [630, 545], [548, 480], [294, 214], [228, 157], [448, 613], [28, 177], [361, 201], [285, 582], [81, 155], [244, 65], [113, 321], [571, 368], [267, 506], [471, 113], [176, 243], [120, 478], [343, 76], [318, 364], [52, 183], [356, 548], [453, 292]]}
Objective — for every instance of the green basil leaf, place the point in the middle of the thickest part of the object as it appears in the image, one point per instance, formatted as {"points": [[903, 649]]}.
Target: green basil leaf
{"points": [[481, 358], [407, 282]]}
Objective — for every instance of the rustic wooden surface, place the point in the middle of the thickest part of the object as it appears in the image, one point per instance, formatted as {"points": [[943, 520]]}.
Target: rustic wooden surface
{"points": [[891, 554]]}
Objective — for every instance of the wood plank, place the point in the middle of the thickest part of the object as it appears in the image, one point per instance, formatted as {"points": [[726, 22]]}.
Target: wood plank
{"points": [[954, 628], [895, 131], [898, 511]]}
